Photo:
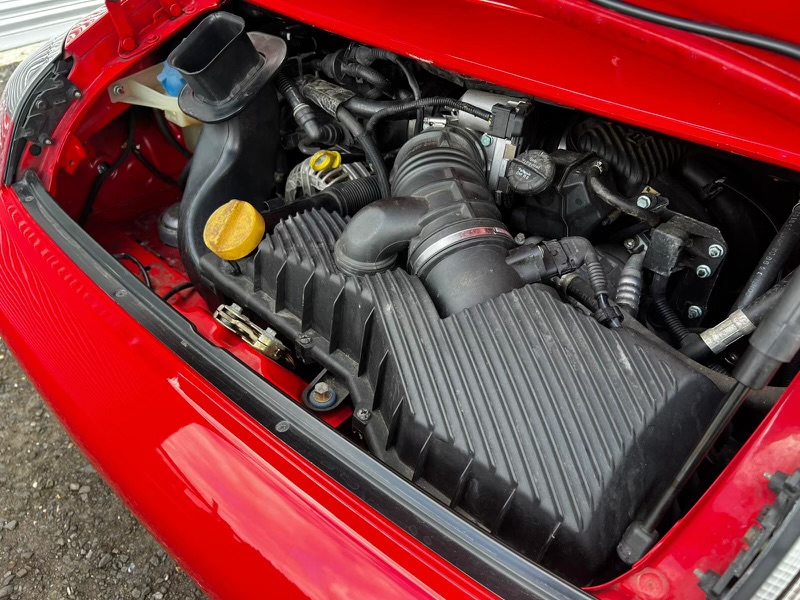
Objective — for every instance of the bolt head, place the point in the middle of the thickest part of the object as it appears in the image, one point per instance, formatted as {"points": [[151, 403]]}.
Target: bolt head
{"points": [[694, 312], [519, 239], [630, 243], [486, 140], [362, 414], [118, 90], [643, 201], [322, 388], [77, 94], [703, 271], [716, 251]]}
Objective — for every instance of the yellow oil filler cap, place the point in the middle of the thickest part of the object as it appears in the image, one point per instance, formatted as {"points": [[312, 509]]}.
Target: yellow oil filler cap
{"points": [[234, 230], [325, 159]]}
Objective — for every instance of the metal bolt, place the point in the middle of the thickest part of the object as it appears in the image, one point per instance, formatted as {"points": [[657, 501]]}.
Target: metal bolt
{"points": [[694, 312], [40, 105], [77, 94], [102, 168], [282, 426], [118, 90], [519, 239], [630, 243], [598, 164], [362, 414], [703, 271], [120, 293], [304, 340], [322, 393], [643, 201], [486, 140], [715, 251]]}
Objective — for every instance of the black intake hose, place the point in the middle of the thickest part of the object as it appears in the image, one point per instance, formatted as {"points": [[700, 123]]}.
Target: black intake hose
{"points": [[443, 214], [773, 260], [235, 155]]}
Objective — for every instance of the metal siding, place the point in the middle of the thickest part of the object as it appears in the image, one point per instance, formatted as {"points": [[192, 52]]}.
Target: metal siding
{"points": [[24, 22]]}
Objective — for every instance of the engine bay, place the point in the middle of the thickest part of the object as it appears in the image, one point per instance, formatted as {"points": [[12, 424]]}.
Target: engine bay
{"points": [[530, 312]]}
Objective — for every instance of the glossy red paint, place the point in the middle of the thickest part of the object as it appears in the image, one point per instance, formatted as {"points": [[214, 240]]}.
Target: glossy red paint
{"points": [[568, 51], [240, 511]]}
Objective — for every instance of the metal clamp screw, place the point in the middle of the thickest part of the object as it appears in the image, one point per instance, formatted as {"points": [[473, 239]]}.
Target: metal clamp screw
{"points": [[703, 271], [362, 414], [716, 251], [694, 312], [643, 201]]}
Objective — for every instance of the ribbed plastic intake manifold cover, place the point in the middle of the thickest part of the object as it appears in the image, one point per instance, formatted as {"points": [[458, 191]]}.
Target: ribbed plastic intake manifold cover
{"points": [[522, 414]]}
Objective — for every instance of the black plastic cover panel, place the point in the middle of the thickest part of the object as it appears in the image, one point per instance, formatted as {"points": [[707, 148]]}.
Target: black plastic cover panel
{"points": [[522, 414]]}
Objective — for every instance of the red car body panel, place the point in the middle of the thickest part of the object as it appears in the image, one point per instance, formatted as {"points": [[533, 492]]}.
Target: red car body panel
{"points": [[243, 513], [246, 516]]}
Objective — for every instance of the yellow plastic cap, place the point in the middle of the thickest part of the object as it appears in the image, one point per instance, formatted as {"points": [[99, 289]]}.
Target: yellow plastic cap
{"points": [[234, 230], [325, 159]]}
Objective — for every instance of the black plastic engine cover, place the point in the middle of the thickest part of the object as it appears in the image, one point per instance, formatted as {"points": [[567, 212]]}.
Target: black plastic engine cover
{"points": [[520, 413]]}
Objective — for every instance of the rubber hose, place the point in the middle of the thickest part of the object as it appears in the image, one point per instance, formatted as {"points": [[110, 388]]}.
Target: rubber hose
{"points": [[304, 115], [695, 347], [773, 260], [368, 74], [351, 196], [618, 202], [365, 55], [402, 107], [664, 309], [371, 152]]}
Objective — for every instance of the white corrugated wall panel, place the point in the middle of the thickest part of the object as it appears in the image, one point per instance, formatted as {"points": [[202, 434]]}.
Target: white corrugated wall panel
{"points": [[24, 22]]}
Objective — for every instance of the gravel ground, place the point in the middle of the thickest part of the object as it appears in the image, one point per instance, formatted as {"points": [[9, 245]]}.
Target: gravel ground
{"points": [[63, 532]]}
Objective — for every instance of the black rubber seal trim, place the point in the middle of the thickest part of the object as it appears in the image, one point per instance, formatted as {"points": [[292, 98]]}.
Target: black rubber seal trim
{"points": [[486, 560]]}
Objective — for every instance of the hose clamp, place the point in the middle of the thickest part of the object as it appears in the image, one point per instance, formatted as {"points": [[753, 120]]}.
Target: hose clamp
{"points": [[454, 238]]}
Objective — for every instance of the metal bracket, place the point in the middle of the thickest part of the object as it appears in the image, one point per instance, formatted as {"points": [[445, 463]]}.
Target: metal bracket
{"points": [[264, 340], [51, 98]]}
